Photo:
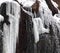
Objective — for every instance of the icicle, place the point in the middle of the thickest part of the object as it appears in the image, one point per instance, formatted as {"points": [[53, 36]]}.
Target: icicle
{"points": [[36, 33], [11, 32], [14, 20], [6, 29], [35, 29], [1, 18], [38, 28]]}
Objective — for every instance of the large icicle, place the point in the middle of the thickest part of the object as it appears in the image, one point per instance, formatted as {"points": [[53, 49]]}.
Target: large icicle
{"points": [[11, 32]]}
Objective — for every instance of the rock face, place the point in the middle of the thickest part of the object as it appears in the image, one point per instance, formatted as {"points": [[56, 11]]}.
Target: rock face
{"points": [[26, 38], [49, 43], [35, 6]]}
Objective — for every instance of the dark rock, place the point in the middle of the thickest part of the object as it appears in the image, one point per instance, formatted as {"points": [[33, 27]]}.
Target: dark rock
{"points": [[26, 38]]}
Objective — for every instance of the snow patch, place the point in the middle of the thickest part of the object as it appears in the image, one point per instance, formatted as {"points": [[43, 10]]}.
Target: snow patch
{"points": [[27, 3]]}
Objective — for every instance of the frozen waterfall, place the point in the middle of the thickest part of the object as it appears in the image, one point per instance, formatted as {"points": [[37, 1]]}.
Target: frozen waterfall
{"points": [[42, 31]]}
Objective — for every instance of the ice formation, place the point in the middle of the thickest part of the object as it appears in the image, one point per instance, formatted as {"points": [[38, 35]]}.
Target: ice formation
{"points": [[13, 11], [11, 31]]}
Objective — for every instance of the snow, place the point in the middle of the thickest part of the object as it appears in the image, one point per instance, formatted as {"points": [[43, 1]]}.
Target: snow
{"points": [[26, 3]]}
